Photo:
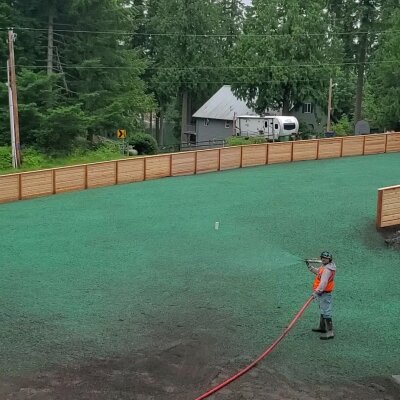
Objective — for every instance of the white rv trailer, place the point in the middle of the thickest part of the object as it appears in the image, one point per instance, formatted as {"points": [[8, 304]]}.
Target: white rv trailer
{"points": [[269, 127]]}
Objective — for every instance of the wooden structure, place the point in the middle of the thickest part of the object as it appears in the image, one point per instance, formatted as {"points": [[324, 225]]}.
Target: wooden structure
{"points": [[27, 185], [388, 213]]}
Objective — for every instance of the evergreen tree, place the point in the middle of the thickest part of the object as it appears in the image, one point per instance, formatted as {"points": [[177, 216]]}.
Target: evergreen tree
{"points": [[282, 58]]}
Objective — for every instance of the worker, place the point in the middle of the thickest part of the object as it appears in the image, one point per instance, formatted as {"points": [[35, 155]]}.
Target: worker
{"points": [[322, 291]]}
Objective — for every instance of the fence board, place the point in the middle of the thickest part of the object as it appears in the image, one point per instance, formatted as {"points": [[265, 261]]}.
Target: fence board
{"points": [[131, 170], [207, 161], [330, 148], [35, 184], [9, 188], [375, 144], [388, 210], [279, 153], [158, 166], [353, 146], [393, 142], [255, 154], [230, 158], [101, 174], [183, 164], [70, 178], [305, 150]]}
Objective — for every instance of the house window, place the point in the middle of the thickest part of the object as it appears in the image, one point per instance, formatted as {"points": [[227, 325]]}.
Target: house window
{"points": [[308, 108], [227, 124], [206, 122], [276, 126]]}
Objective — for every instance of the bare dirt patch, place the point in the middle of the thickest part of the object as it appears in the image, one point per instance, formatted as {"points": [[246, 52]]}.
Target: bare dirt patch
{"points": [[180, 371]]}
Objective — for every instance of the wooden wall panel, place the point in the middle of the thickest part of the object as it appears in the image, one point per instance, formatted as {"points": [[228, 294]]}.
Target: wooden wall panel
{"points": [[158, 166], [330, 148], [279, 153], [305, 150], [70, 178], [101, 174], [375, 144], [393, 142], [388, 207], [183, 163], [131, 170], [255, 154], [9, 188], [353, 146], [230, 157], [207, 161], [35, 184]]}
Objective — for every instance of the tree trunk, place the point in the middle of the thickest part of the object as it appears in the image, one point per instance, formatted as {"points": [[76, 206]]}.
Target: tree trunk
{"points": [[360, 78], [158, 128], [50, 45], [185, 96], [161, 128], [366, 20]]}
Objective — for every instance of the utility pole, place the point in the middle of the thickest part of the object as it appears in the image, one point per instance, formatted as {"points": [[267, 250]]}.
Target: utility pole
{"points": [[12, 84], [50, 40], [328, 122]]}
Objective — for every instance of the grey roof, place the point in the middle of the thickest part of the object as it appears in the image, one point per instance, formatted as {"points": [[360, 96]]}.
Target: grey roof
{"points": [[223, 105]]}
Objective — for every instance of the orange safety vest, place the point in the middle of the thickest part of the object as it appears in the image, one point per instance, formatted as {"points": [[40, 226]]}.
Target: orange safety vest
{"points": [[331, 283]]}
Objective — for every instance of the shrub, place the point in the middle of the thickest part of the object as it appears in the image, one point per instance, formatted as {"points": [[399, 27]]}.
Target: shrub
{"points": [[242, 140], [5, 157], [343, 127], [144, 143], [31, 158]]}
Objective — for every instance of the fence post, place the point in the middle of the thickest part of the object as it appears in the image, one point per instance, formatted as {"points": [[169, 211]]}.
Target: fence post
{"points": [[318, 149], [379, 209], [341, 146], [219, 159], [86, 176], [170, 165], [54, 181], [386, 142], [365, 139], [116, 172], [20, 187], [195, 162], [144, 168], [266, 154], [241, 156], [292, 152]]}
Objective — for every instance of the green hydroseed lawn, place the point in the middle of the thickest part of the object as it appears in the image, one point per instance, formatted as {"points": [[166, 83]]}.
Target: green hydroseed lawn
{"points": [[111, 271]]}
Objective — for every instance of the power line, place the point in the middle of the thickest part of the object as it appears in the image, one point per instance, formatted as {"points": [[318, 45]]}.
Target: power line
{"points": [[103, 67], [206, 35]]}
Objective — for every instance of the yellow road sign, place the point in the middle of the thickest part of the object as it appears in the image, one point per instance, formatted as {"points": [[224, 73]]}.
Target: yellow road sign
{"points": [[121, 133]]}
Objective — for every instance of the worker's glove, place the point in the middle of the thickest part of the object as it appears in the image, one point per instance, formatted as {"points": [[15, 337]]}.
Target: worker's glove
{"points": [[316, 294]]}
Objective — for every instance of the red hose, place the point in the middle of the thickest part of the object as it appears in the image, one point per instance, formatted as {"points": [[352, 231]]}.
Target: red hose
{"points": [[262, 356]]}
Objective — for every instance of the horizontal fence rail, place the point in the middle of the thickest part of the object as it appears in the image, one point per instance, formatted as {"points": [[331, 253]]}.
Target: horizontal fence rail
{"points": [[26, 185], [388, 213]]}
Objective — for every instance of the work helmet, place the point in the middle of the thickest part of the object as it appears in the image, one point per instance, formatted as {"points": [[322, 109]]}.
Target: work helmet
{"points": [[326, 254]]}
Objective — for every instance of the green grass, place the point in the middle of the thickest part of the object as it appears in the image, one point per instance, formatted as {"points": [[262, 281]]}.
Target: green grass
{"points": [[62, 161]]}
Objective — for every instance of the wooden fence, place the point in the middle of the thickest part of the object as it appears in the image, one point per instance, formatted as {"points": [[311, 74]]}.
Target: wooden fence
{"points": [[27, 185], [388, 213]]}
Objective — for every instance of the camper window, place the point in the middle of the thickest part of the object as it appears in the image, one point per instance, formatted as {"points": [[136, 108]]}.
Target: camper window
{"points": [[289, 127], [227, 124]]}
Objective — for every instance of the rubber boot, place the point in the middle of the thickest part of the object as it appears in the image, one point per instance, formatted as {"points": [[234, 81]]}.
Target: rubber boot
{"points": [[329, 330], [321, 328]]}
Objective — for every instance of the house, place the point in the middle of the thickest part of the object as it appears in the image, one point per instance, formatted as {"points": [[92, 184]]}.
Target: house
{"points": [[215, 119]]}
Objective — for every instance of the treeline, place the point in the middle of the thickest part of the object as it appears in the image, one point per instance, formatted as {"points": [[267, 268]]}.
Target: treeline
{"points": [[88, 67]]}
